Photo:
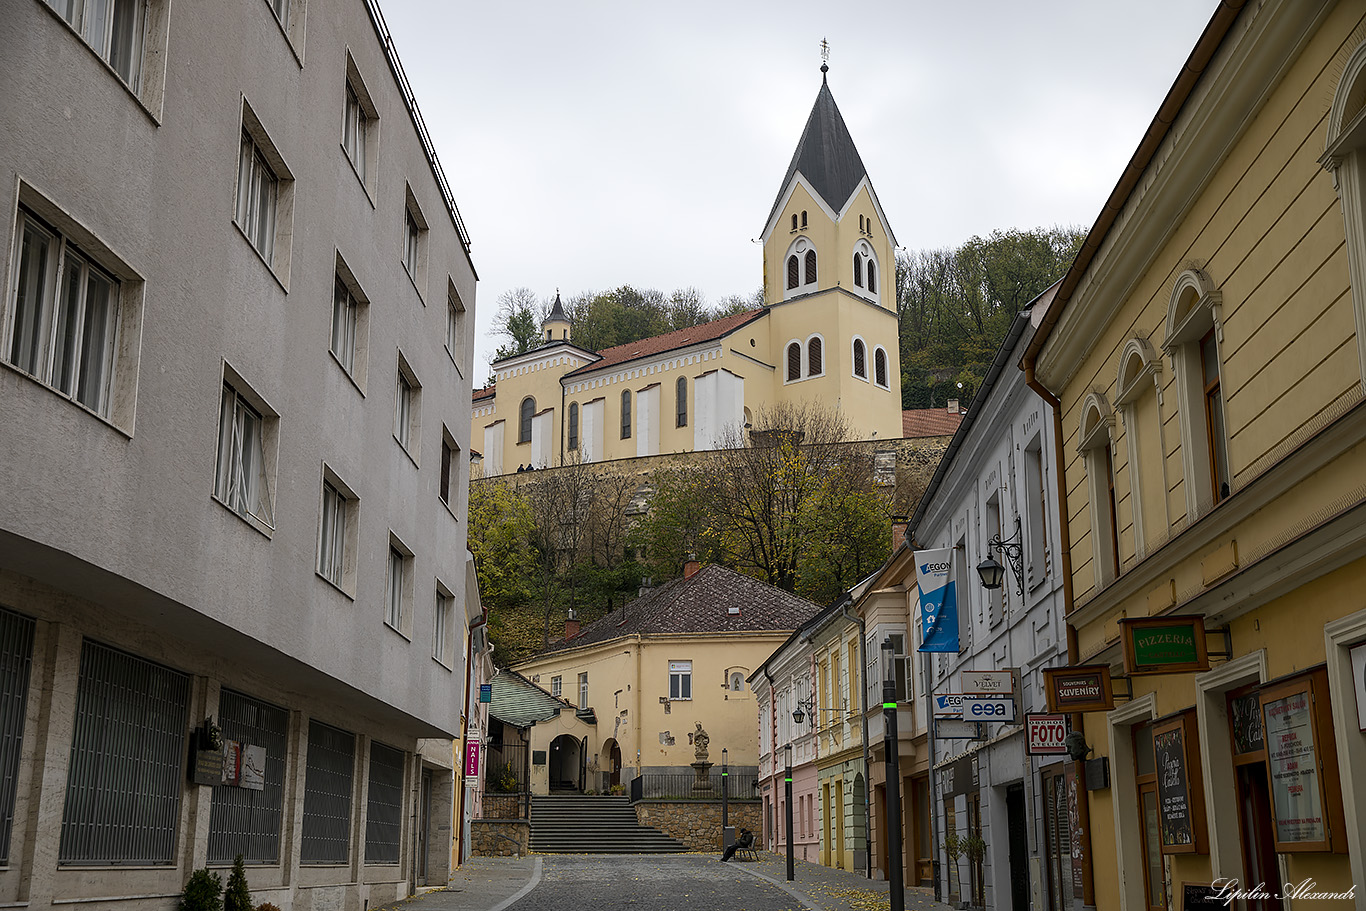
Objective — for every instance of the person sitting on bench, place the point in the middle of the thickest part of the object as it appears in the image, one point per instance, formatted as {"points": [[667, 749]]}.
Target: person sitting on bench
{"points": [[743, 843]]}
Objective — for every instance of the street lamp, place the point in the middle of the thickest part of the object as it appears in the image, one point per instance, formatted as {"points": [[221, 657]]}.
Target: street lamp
{"points": [[993, 573], [725, 792], [889, 747], [787, 756]]}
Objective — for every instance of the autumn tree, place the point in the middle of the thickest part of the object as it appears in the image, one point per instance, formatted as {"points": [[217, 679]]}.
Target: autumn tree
{"points": [[518, 321]]}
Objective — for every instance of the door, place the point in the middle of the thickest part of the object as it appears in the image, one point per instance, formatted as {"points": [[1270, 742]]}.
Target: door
{"points": [[838, 823], [979, 886], [1018, 832], [1259, 850], [424, 817], [1057, 838]]}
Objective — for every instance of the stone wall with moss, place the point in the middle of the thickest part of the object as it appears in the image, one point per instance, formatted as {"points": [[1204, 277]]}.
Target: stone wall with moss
{"points": [[697, 823], [500, 838]]}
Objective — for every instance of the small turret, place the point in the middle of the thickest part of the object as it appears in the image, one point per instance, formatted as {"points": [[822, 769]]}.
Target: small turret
{"points": [[557, 325]]}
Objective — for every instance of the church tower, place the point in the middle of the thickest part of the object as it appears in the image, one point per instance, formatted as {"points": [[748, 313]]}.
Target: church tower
{"points": [[830, 280], [557, 326]]}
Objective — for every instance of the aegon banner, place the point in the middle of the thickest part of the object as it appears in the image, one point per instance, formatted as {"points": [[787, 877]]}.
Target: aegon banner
{"points": [[938, 600]]}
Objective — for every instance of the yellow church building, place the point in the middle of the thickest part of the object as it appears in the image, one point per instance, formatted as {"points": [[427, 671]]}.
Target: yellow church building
{"points": [[827, 332]]}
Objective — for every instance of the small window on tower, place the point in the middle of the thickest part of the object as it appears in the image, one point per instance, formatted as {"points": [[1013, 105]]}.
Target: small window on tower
{"points": [[803, 218], [793, 271], [794, 221]]}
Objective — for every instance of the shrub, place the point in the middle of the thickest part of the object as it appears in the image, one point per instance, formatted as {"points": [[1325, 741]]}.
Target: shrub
{"points": [[267, 906], [237, 897], [203, 892]]}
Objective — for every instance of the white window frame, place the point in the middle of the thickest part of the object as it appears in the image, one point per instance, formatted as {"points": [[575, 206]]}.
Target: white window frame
{"points": [[881, 352], [854, 344], [116, 34], [407, 409], [798, 248], [442, 613], [680, 681], [1195, 309], [1345, 157], [414, 243], [556, 686], [455, 328], [264, 204], [398, 587], [54, 321], [449, 478], [345, 316], [246, 448], [1096, 447], [583, 690]]}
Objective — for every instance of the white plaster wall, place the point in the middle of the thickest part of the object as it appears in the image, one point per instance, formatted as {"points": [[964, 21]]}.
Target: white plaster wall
{"points": [[647, 421], [493, 450], [594, 414], [542, 438]]}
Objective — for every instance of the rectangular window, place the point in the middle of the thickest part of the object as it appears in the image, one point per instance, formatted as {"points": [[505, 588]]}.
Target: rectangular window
{"points": [[903, 693], [127, 765], [243, 820], [241, 483], [16, 659], [395, 589], [450, 466], [257, 187], [626, 414], [406, 410], [327, 795], [355, 130], [281, 10], [555, 685], [441, 624], [112, 28], [583, 690], [455, 326], [65, 316], [332, 535], [1036, 510], [345, 310], [680, 679], [384, 805], [1214, 417]]}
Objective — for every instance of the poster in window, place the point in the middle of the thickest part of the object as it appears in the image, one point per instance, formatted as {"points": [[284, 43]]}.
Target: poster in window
{"points": [[1296, 792], [1246, 722], [253, 771]]}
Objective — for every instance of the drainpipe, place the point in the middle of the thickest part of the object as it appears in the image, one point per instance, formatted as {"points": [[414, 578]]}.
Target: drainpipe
{"points": [[773, 750], [867, 787], [459, 821], [1088, 887]]}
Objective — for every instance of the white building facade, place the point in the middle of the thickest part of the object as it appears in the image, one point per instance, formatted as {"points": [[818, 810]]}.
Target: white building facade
{"points": [[998, 478], [234, 381]]}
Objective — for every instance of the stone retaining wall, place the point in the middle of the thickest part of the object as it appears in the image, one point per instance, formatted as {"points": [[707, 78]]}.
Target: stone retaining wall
{"points": [[500, 838], [697, 823]]}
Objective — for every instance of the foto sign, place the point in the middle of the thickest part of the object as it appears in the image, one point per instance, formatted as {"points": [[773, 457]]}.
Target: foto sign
{"points": [[988, 708], [1045, 734], [991, 683]]}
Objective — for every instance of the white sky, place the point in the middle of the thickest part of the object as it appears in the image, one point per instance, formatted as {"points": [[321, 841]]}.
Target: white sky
{"points": [[595, 144]]}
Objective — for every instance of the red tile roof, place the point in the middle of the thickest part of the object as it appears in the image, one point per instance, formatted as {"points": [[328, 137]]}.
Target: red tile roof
{"points": [[679, 338], [929, 422], [485, 393]]}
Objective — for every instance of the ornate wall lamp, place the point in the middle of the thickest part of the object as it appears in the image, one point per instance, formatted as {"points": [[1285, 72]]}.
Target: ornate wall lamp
{"points": [[993, 573]]}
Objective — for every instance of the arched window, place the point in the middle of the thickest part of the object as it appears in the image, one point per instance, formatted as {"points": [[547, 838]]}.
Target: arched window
{"points": [[1096, 423], [573, 426], [880, 367], [524, 424], [860, 224], [810, 267], [813, 356], [794, 221], [681, 399], [803, 218], [1345, 156], [860, 359], [872, 276], [858, 270], [1194, 327], [793, 272], [794, 361], [625, 414]]}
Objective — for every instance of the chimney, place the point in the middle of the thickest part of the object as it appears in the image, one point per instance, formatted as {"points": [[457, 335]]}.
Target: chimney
{"points": [[953, 406], [691, 566], [898, 531], [571, 625]]}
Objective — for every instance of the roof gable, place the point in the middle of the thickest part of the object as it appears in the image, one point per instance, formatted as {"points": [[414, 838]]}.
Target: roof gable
{"points": [[825, 157]]}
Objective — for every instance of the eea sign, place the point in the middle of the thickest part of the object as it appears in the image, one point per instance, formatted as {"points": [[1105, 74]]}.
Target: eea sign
{"points": [[988, 708]]}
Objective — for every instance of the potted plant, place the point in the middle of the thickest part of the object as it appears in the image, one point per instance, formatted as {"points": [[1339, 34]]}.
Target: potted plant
{"points": [[953, 847], [974, 848]]}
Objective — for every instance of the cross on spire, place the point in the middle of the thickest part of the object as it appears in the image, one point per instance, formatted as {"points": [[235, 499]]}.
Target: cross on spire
{"points": [[825, 58]]}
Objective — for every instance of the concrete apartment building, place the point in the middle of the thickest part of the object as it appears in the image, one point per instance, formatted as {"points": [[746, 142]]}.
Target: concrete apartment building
{"points": [[235, 391]]}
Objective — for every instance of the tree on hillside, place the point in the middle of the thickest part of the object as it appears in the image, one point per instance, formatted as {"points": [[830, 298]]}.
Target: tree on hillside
{"points": [[518, 321], [957, 305], [790, 503]]}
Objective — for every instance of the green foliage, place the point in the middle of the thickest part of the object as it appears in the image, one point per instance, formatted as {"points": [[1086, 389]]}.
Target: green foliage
{"points": [[237, 897], [501, 779], [267, 906], [501, 526], [957, 305], [203, 892], [518, 320]]}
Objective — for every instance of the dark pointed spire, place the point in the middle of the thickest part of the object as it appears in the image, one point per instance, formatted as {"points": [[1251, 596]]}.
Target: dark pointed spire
{"points": [[557, 311], [825, 155]]}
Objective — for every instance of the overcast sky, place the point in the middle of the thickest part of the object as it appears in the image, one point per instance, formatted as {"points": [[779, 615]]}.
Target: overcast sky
{"points": [[595, 144]]}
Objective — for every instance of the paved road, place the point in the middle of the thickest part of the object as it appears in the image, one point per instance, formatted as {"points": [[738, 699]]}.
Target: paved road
{"points": [[677, 882]]}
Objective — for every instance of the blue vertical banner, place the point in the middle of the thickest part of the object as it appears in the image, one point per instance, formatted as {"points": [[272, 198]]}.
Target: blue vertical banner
{"points": [[938, 600]]}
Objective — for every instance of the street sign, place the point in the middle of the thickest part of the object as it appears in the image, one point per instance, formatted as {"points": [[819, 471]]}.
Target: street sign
{"points": [[472, 759], [486, 692], [1045, 733], [948, 705], [956, 729], [988, 708], [994, 683]]}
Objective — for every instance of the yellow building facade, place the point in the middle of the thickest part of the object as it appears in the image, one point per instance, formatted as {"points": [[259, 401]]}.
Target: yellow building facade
{"points": [[827, 332], [1205, 356]]}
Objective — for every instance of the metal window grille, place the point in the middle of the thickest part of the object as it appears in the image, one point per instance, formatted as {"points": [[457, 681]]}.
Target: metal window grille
{"points": [[327, 795], [384, 807], [128, 754], [243, 821], [16, 659]]}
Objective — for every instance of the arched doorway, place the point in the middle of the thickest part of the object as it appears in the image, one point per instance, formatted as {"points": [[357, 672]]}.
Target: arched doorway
{"points": [[566, 762], [610, 762], [858, 831]]}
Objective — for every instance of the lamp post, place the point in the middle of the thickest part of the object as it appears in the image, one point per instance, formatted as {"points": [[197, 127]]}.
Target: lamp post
{"points": [[725, 792], [791, 860], [889, 744]]}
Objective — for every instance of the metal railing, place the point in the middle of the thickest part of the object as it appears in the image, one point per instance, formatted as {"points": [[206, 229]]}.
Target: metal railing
{"points": [[683, 786]]}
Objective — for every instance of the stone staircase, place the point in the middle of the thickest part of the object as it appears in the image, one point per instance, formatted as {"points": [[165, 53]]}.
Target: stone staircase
{"points": [[579, 824]]}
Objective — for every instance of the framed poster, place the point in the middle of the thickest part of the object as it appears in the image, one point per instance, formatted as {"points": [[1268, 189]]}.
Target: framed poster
{"points": [[1292, 759], [1180, 791]]}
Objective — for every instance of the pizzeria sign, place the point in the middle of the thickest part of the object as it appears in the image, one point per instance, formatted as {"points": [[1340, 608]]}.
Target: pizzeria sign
{"points": [[1164, 645]]}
